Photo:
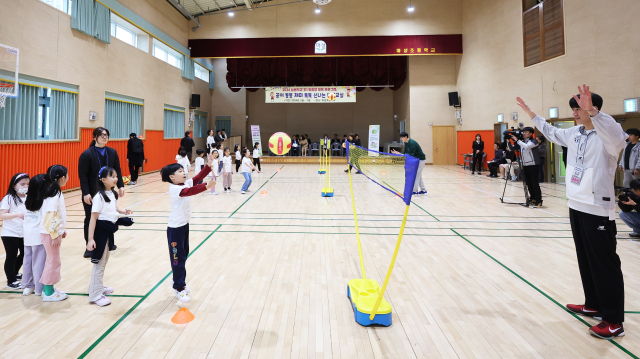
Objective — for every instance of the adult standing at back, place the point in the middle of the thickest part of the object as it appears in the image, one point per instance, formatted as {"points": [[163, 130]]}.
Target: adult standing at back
{"points": [[630, 161], [210, 142], [95, 157], [412, 148], [218, 137], [187, 144], [135, 156]]}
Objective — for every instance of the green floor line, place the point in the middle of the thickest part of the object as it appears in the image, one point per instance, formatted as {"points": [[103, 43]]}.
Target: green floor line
{"points": [[254, 193], [434, 217], [632, 312], [125, 315], [543, 293]]}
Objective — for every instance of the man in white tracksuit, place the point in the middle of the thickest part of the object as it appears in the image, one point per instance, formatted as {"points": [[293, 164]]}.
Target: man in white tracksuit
{"points": [[630, 161], [593, 149]]}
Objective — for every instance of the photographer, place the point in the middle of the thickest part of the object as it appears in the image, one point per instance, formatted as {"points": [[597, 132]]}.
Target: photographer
{"points": [[593, 149], [627, 203], [630, 161], [531, 164]]}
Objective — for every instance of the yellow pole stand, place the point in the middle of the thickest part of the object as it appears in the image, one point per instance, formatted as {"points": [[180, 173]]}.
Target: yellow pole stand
{"points": [[355, 217], [393, 261]]}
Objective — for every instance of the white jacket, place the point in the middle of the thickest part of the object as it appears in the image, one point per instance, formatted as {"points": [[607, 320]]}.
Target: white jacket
{"points": [[596, 153], [634, 159]]}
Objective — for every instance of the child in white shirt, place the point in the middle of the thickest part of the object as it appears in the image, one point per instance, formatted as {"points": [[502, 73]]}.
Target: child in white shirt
{"points": [[226, 170], [102, 225], [215, 160], [247, 167], [52, 230], [180, 189], [12, 214], [35, 255], [199, 162], [184, 162], [238, 157], [256, 156]]}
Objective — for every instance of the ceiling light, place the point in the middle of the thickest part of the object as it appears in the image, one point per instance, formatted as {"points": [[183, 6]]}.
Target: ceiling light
{"points": [[410, 8], [317, 9], [231, 13]]}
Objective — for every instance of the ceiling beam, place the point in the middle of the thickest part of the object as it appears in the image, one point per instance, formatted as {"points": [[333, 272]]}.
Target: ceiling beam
{"points": [[194, 1], [248, 3]]}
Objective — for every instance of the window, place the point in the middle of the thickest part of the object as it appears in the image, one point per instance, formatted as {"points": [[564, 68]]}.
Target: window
{"points": [[62, 5], [167, 54], [201, 72], [123, 34], [543, 31]]}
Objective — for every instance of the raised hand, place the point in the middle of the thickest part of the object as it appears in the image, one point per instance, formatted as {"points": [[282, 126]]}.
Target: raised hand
{"points": [[584, 101], [525, 107]]}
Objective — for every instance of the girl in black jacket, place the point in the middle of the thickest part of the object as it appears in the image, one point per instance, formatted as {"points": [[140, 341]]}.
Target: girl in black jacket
{"points": [[98, 155], [478, 153]]}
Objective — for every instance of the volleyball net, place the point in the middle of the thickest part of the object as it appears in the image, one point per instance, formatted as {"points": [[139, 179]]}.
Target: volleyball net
{"points": [[395, 173]]}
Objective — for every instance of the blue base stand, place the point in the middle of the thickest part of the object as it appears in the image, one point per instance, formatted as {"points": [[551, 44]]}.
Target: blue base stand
{"points": [[325, 194], [322, 172], [363, 318]]}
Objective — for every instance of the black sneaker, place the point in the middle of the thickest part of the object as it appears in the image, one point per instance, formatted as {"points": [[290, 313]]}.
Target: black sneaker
{"points": [[19, 276], [87, 254], [14, 286], [113, 248], [634, 235]]}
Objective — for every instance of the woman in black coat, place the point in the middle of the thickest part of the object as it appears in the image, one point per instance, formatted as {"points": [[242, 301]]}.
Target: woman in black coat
{"points": [[478, 153], [98, 155], [135, 156]]}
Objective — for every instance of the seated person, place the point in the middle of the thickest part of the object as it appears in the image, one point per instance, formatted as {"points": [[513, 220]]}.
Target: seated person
{"points": [[627, 214], [511, 164], [295, 146], [497, 160]]}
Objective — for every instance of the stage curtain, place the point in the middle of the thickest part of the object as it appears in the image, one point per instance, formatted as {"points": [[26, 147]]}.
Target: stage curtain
{"points": [[317, 71]]}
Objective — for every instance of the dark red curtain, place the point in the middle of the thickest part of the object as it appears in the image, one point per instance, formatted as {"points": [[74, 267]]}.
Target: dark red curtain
{"points": [[317, 71]]}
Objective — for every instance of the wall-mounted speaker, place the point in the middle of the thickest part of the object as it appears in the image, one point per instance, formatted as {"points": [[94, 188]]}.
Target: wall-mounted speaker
{"points": [[454, 100], [195, 101]]}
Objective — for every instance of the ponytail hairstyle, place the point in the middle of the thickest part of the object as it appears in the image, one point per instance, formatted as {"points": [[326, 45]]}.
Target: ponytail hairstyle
{"points": [[54, 173], [38, 186], [97, 133], [11, 191], [236, 148], [102, 189]]}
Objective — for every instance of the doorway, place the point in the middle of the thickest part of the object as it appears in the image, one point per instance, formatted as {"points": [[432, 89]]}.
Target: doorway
{"points": [[444, 145]]}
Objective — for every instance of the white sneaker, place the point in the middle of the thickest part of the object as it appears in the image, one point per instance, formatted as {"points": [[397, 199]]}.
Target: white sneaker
{"points": [[182, 296], [107, 290], [27, 291], [55, 297], [102, 301], [186, 288], [38, 294], [248, 190], [214, 193], [243, 192]]}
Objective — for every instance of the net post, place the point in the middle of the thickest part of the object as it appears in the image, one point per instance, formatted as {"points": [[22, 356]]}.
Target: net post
{"points": [[393, 261], [355, 217]]}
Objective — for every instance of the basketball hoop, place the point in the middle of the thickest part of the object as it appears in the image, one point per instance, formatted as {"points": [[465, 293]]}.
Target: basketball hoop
{"points": [[5, 89]]}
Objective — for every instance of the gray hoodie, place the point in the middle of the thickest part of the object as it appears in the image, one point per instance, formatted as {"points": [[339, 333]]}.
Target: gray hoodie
{"points": [[593, 157]]}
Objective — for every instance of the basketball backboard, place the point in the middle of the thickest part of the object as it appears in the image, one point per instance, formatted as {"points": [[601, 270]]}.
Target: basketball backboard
{"points": [[9, 59]]}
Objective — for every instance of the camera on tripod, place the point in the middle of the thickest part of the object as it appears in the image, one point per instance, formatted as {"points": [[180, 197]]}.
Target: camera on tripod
{"points": [[513, 132]]}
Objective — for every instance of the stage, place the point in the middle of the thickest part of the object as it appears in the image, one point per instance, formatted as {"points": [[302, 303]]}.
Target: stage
{"points": [[301, 160]]}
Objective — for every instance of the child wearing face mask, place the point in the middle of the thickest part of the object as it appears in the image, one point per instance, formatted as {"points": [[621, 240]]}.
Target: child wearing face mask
{"points": [[12, 214]]}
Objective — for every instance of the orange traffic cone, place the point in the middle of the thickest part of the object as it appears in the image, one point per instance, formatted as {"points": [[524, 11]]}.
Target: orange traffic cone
{"points": [[278, 170], [384, 173], [183, 316], [263, 192]]}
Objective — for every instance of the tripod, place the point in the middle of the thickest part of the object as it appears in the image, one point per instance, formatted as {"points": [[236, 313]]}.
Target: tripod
{"points": [[524, 183]]}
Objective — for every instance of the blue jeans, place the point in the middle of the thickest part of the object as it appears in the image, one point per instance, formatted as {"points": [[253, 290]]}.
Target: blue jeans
{"points": [[631, 219], [247, 180]]}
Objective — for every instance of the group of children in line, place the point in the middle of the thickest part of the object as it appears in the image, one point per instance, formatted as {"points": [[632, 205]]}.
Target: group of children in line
{"points": [[34, 221], [222, 164], [34, 224]]}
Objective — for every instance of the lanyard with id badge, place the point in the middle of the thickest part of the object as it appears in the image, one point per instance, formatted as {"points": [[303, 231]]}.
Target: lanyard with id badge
{"points": [[578, 172]]}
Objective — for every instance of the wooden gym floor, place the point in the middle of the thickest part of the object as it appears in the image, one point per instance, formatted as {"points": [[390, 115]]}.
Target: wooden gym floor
{"points": [[268, 273]]}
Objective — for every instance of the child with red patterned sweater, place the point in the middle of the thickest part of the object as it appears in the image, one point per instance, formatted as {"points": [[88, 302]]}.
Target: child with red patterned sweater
{"points": [[180, 189]]}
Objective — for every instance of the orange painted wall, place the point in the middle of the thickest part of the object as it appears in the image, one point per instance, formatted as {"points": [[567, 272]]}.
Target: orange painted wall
{"points": [[465, 139], [35, 158]]}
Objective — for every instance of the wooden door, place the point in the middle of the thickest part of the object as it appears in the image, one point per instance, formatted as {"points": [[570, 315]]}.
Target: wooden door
{"points": [[444, 145]]}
